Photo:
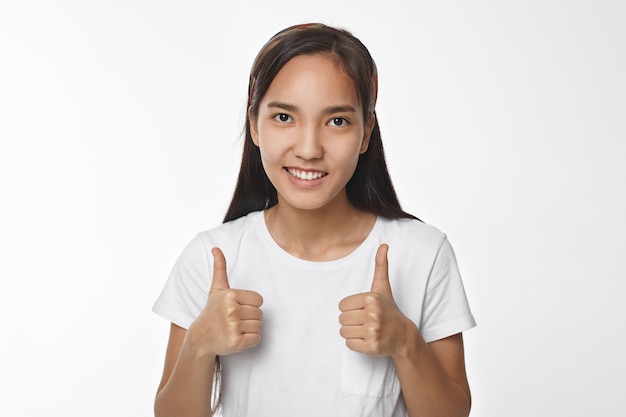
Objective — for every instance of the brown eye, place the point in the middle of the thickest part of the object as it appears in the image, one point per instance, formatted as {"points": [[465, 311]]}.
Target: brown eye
{"points": [[283, 118], [338, 122]]}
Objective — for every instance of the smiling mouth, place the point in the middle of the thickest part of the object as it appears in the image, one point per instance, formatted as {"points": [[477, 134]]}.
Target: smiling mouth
{"points": [[306, 175]]}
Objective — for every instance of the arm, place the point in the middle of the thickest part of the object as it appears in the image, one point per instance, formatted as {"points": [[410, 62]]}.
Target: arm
{"points": [[230, 322], [187, 382], [432, 376]]}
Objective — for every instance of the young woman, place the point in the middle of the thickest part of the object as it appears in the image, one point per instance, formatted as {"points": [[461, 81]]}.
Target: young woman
{"points": [[319, 295]]}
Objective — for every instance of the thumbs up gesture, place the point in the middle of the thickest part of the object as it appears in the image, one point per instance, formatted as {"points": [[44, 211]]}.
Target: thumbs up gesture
{"points": [[231, 319], [371, 322]]}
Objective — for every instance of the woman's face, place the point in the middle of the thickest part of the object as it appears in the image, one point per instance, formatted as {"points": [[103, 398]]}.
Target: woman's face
{"points": [[310, 130]]}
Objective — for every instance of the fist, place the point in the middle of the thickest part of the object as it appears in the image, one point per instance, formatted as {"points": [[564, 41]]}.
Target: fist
{"points": [[231, 319], [371, 322]]}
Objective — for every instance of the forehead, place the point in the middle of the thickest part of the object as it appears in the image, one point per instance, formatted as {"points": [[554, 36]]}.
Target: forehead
{"points": [[313, 78]]}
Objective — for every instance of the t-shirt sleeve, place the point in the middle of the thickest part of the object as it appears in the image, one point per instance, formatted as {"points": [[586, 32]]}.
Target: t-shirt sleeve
{"points": [[187, 287], [446, 310]]}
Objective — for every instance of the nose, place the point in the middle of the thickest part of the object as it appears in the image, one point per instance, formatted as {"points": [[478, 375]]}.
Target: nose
{"points": [[307, 145]]}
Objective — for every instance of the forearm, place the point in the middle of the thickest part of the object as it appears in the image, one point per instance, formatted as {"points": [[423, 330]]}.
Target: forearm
{"points": [[187, 393], [426, 388]]}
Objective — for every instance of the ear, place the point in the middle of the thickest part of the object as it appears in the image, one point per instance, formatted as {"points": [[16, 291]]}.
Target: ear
{"points": [[367, 133], [254, 129]]}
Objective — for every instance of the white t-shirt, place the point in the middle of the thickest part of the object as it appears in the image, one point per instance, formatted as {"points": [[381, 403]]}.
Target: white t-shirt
{"points": [[302, 366]]}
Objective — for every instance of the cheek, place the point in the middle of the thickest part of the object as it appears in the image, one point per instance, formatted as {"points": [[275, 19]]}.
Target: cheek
{"points": [[346, 156], [269, 150], [355, 147], [272, 156], [267, 157]]}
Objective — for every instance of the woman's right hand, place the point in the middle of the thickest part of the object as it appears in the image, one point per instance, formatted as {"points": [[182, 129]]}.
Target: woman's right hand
{"points": [[231, 319]]}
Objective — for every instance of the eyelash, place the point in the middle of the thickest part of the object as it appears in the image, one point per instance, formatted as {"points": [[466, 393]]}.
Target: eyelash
{"points": [[344, 121], [278, 117]]}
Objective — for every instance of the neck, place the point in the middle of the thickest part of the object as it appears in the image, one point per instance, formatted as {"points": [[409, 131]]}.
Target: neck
{"points": [[327, 233]]}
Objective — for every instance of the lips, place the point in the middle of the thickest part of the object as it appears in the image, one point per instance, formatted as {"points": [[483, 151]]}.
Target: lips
{"points": [[306, 174]]}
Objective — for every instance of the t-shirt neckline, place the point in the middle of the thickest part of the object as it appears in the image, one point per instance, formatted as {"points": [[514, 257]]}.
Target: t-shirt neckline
{"points": [[277, 250]]}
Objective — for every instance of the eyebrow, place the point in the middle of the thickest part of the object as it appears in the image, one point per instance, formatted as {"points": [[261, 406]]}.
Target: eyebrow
{"points": [[328, 110]]}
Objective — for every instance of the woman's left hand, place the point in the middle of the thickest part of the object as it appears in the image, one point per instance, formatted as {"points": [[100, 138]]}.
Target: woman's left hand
{"points": [[371, 322]]}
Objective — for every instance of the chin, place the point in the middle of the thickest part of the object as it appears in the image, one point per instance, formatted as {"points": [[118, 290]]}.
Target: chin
{"points": [[308, 204]]}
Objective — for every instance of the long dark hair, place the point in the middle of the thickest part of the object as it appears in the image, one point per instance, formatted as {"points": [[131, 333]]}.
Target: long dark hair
{"points": [[370, 188]]}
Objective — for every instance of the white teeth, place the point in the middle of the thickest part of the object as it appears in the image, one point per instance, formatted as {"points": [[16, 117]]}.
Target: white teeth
{"points": [[305, 175]]}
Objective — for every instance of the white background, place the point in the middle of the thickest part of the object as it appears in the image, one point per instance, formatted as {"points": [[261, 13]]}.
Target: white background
{"points": [[504, 124]]}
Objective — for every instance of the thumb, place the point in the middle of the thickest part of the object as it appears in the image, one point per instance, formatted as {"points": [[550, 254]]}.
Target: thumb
{"points": [[220, 279], [380, 283]]}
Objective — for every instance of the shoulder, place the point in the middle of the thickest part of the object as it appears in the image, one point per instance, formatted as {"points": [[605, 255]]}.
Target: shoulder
{"points": [[227, 236], [412, 232], [414, 242], [232, 230]]}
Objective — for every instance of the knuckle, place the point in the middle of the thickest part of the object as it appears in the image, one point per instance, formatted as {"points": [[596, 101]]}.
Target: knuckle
{"points": [[374, 316], [231, 330], [370, 298], [231, 312], [230, 295], [374, 330], [233, 342]]}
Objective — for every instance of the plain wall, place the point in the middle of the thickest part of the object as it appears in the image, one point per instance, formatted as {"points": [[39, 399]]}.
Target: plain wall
{"points": [[504, 125]]}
